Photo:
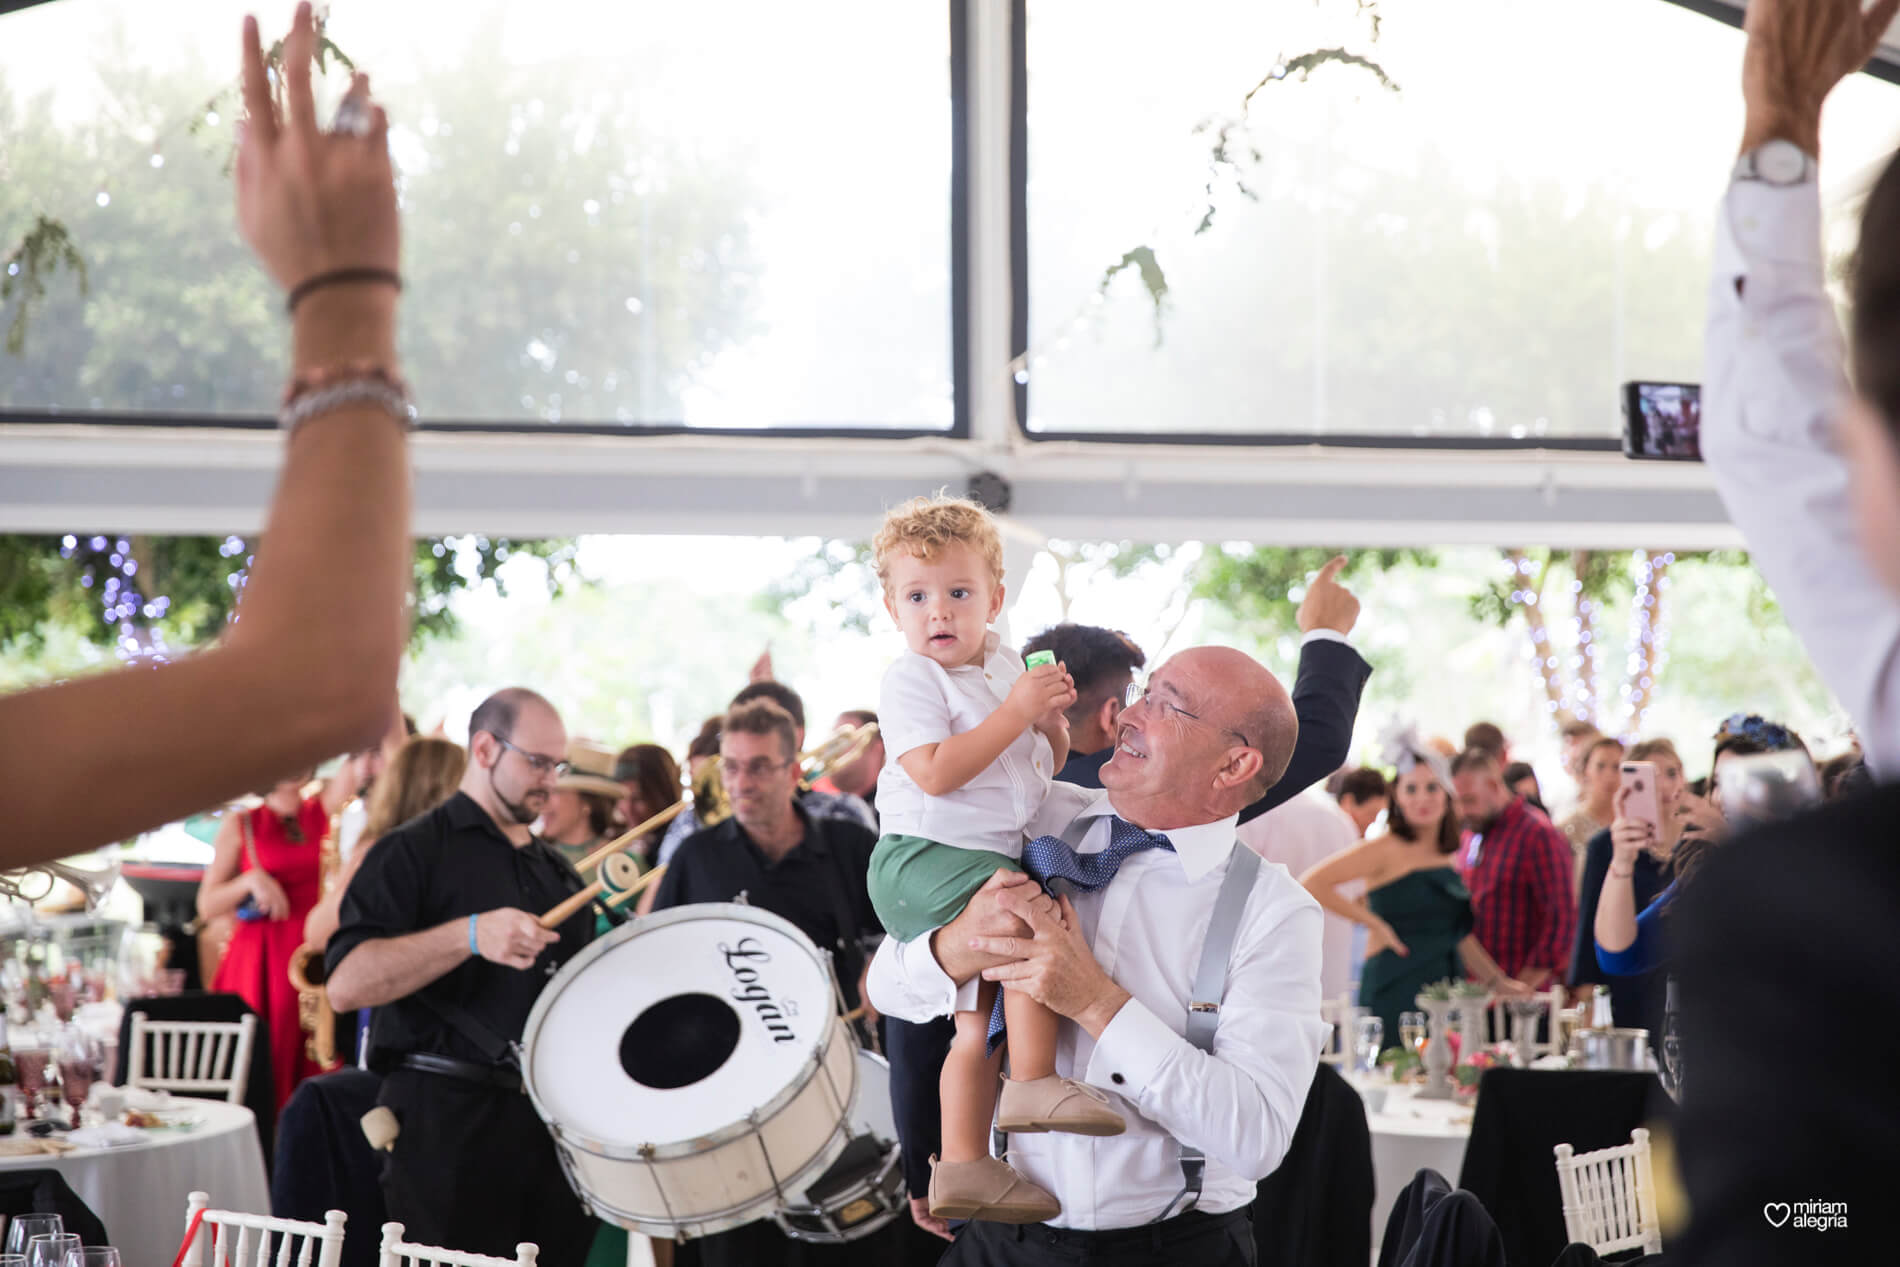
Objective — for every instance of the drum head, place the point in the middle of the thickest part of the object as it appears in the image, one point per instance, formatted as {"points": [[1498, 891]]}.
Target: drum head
{"points": [[673, 1027]]}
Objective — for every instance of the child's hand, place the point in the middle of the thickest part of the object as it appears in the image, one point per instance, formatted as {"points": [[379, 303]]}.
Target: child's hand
{"points": [[1056, 721], [1037, 692]]}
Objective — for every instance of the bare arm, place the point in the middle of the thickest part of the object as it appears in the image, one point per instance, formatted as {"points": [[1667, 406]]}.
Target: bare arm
{"points": [[1479, 964], [385, 969], [223, 888], [310, 668], [950, 763], [1324, 877], [1616, 903]]}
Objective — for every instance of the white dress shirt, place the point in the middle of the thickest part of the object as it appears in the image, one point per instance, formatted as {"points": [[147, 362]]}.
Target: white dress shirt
{"points": [[1775, 383], [1241, 1103], [1298, 835], [921, 703]]}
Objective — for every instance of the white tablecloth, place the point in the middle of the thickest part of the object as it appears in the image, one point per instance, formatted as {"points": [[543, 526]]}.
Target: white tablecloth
{"points": [[1410, 1134], [139, 1191]]}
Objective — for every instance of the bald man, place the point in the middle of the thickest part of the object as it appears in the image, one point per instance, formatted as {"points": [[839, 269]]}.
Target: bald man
{"points": [[440, 935], [1211, 731]]}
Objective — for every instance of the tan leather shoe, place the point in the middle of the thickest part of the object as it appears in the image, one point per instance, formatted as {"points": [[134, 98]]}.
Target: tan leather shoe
{"points": [[988, 1189], [1056, 1104]]}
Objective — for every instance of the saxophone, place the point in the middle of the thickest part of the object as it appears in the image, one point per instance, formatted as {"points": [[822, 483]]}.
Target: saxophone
{"points": [[314, 1014]]}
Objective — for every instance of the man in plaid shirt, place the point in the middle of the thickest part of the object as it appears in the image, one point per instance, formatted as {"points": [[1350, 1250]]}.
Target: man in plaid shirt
{"points": [[1520, 871]]}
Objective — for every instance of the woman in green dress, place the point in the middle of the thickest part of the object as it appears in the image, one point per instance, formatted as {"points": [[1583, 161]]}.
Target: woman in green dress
{"points": [[1416, 910]]}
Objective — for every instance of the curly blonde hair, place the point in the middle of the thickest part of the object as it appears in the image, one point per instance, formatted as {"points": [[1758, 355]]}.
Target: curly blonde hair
{"points": [[925, 526]]}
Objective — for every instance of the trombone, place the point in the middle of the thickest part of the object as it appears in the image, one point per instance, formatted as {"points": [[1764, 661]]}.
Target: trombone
{"points": [[618, 876], [33, 884]]}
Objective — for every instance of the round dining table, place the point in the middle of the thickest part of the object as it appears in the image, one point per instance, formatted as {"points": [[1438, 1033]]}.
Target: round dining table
{"points": [[139, 1190], [1409, 1135]]}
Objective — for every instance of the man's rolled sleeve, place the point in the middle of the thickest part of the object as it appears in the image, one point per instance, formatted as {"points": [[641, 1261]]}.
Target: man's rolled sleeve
{"points": [[384, 899], [1241, 1103]]}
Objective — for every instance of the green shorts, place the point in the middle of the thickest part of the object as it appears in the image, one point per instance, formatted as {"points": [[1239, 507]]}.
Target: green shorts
{"points": [[917, 884]]}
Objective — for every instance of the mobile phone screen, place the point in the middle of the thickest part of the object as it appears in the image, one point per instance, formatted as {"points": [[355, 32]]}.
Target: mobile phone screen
{"points": [[1662, 421]]}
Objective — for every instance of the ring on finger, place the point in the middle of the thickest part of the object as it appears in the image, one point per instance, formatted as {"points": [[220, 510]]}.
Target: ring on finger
{"points": [[352, 117]]}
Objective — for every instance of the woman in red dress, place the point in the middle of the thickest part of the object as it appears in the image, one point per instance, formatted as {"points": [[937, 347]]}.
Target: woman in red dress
{"points": [[267, 871]]}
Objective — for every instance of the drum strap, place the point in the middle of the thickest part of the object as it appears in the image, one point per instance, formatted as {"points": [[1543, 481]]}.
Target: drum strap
{"points": [[1204, 992]]}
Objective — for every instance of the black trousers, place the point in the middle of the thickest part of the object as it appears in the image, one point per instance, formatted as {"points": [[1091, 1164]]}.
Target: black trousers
{"points": [[898, 1244], [1194, 1238], [474, 1169]]}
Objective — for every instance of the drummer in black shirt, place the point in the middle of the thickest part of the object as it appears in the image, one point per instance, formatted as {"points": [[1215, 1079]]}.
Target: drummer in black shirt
{"points": [[439, 935], [811, 871]]}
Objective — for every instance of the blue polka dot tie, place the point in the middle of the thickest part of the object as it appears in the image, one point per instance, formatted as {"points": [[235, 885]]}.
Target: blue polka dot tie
{"points": [[1049, 859]]}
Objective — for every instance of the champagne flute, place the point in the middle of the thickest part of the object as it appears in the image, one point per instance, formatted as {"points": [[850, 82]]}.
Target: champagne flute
{"points": [[1368, 1040], [24, 1227], [1412, 1032], [51, 1251]]}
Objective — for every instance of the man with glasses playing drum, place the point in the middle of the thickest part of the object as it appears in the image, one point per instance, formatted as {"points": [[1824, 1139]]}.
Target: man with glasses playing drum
{"points": [[1190, 968], [438, 937], [806, 868]]}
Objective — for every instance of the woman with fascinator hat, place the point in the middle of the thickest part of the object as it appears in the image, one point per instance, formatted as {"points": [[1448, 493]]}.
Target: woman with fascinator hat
{"points": [[1416, 910]]}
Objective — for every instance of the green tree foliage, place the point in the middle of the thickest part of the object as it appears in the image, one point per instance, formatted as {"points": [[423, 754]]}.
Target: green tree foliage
{"points": [[49, 587], [562, 258], [1263, 585]]}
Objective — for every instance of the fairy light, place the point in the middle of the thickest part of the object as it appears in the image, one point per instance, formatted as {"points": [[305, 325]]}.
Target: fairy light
{"points": [[1648, 637]]}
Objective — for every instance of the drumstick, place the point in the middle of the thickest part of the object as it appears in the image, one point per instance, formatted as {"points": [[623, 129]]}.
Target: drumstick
{"points": [[560, 914], [638, 887]]}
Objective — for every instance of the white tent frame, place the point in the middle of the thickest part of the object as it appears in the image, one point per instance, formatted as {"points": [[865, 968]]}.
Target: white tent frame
{"points": [[58, 475]]}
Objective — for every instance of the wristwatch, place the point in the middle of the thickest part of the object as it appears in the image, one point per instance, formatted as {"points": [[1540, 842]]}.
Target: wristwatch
{"points": [[1776, 162]]}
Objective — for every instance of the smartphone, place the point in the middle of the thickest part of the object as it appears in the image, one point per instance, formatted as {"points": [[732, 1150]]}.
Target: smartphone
{"points": [[1639, 780], [1662, 422]]}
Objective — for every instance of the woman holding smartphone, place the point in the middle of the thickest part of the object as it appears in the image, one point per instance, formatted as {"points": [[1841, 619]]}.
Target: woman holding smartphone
{"points": [[1685, 827]]}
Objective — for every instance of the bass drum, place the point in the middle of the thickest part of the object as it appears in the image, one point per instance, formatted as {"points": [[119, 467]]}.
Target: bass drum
{"points": [[864, 1189], [692, 1069]]}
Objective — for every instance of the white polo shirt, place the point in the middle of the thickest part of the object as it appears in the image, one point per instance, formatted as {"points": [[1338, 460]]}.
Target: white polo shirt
{"points": [[922, 702]]}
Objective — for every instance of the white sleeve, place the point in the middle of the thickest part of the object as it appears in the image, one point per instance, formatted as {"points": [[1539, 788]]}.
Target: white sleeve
{"points": [[1775, 383], [1241, 1103], [912, 709], [907, 982]]}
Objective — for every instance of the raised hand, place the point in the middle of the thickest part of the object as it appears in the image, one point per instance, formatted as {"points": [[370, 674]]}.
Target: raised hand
{"points": [[1797, 51], [311, 202], [1038, 692], [1328, 604]]}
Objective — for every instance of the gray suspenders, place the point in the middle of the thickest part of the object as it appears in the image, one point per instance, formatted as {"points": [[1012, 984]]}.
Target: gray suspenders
{"points": [[1204, 993]]}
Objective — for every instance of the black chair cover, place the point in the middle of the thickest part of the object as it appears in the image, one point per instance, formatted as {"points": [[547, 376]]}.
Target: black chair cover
{"points": [[1316, 1209], [45, 1192], [260, 1092], [1432, 1226], [324, 1163], [1523, 1114]]}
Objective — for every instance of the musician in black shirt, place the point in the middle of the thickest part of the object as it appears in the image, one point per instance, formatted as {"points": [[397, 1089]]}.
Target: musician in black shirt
{"points": [[439, 934]]}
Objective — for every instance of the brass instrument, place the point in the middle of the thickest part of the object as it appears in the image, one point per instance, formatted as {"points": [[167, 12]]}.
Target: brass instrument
{"points": [[314, 1014], [35, 883], [614, 873]]}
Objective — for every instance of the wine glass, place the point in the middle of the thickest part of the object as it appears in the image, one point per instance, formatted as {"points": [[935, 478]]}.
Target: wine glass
{"points": [[12, 1260], [30, 1063], [90, 1256], [51, 1251], [80, 1055], [1368, 1040], [24, 1227], [1412, 1032]]}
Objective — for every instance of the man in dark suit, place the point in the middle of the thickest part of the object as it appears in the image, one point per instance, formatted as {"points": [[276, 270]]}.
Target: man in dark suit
{"points": [[1103, 662]]}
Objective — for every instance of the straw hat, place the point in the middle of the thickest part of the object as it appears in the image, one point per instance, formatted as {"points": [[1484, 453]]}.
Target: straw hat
{"points": [[590, 769]]}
